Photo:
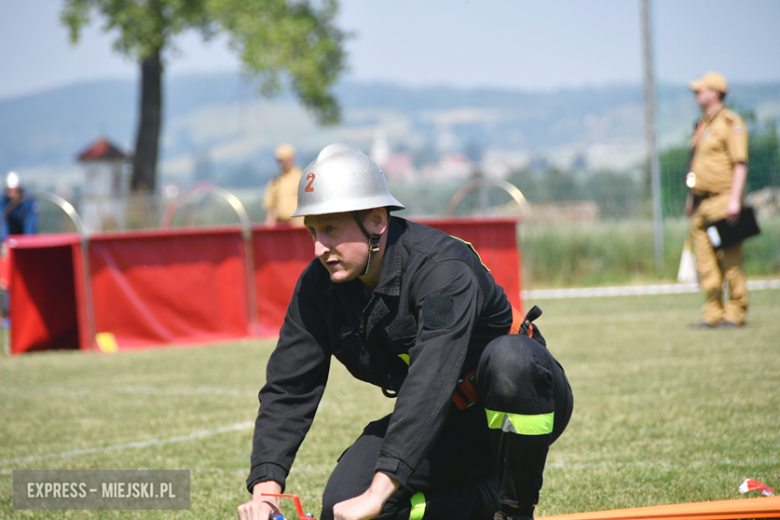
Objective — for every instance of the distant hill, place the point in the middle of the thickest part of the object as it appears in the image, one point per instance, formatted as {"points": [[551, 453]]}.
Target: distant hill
{"points": [[217, 126]]}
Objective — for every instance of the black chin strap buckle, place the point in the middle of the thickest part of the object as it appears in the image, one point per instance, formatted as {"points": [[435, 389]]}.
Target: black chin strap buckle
{"points": [[373, 240], [373, 243], [373, 247]]}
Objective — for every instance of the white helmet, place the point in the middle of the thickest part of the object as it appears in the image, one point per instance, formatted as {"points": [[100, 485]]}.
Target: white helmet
{"points": [[343, 179], [12, 181]]}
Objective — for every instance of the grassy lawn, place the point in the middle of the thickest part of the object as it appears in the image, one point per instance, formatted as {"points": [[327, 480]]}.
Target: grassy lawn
{"points": [[662, 414]]}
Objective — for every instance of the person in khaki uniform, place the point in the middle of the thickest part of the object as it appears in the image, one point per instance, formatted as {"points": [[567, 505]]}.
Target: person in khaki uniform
{"points": [[716, 180], [281, 194]]}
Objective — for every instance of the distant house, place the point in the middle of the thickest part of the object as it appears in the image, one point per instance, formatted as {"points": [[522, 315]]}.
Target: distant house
{"points": [[395, 165], [451, 166], [105, 188], [399, 166]]}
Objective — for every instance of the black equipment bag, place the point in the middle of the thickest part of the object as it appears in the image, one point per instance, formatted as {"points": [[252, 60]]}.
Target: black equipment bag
{"points": [[722, 234]]}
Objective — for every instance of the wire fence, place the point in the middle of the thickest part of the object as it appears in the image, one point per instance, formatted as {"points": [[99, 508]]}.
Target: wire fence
{"points": [[577, 229], [555, 198], [133, 212]]}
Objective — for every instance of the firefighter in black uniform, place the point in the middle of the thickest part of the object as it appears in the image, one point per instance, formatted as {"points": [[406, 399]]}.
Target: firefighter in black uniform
{"points": [[415, 312]]}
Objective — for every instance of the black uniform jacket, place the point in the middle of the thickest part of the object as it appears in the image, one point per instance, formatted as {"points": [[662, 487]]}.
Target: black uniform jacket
{"points": [[435, 309]]}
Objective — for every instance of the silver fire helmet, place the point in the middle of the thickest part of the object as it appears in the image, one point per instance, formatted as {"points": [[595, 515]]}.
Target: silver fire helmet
{"points": [[12, 181], [343, 179]]}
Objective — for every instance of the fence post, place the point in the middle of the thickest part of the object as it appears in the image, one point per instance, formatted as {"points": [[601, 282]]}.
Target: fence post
{"points": [[655, 174]]}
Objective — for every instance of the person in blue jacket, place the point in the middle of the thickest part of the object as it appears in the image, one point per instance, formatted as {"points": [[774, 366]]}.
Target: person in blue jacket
{"points": [[23, 219]]}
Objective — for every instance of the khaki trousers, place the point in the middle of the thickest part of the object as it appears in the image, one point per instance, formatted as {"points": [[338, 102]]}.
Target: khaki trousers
{"points": [[714, 266]]}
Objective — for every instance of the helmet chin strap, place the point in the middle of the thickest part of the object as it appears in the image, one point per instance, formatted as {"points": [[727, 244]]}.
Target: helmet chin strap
{"points": [[373, 241]]}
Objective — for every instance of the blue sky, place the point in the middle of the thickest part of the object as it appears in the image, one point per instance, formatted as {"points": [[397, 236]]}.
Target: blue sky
{"points": [[513, 44]]}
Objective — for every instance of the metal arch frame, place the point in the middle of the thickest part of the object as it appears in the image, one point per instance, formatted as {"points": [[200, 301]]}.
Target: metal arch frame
{"points": [[508, 187], [246, 232], [68, 208]]}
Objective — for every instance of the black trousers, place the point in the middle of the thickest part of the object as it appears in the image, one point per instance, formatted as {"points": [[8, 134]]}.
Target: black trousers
{"points": [[475, 467]]}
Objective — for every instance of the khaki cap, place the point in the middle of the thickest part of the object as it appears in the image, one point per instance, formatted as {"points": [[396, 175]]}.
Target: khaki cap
{"points": [[284, 151], [711, 80]]}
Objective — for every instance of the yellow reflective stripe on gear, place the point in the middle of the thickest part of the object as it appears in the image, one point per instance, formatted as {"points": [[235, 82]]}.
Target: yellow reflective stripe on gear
{"points": [[405, 357], [418, 506], [521, 424], [495, 419]]}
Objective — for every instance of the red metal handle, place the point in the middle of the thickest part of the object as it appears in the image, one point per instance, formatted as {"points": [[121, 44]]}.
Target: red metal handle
{"points": [[298, 506]]}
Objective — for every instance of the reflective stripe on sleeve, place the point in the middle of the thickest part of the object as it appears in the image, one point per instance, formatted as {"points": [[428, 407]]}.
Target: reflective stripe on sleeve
{"points": [[418, 506], [521, 424]]}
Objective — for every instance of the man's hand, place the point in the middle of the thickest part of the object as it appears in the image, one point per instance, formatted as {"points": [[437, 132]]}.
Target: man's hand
{"points": [[260, 506], [733, 208], [369, 504]]}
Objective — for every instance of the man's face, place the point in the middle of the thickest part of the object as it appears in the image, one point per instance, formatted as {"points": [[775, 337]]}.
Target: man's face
{"points": [[286, 163], [12, 193], [706, 96], [339, 244]]}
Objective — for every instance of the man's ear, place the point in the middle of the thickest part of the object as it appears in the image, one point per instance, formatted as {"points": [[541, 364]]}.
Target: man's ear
{"points": [[377, 220]]}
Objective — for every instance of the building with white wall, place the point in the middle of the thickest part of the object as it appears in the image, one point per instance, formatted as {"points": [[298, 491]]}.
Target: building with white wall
{"points": [[105, 188]]}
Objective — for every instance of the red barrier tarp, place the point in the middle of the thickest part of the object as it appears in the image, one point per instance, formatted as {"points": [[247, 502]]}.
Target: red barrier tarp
{"points": [[175, 286], [184, 286], [43, 293], [280, 257]]}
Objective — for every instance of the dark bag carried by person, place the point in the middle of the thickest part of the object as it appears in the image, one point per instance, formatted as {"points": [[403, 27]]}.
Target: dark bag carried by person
{"points": [[722, 234]]}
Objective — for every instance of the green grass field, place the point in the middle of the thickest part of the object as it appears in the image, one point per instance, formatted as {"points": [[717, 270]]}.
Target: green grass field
{"points": [[663, 414]]}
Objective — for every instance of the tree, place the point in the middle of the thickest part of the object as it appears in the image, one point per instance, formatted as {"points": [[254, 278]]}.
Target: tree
{"points": [[282, 44]]}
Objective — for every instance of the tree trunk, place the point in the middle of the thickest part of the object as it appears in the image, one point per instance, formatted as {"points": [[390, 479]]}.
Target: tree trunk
{"points": [[144, 179]]}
